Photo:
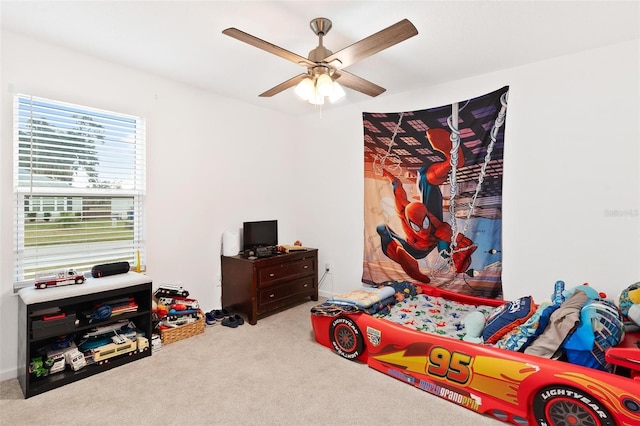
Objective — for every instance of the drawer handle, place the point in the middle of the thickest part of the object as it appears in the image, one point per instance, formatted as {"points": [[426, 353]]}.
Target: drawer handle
{"points": [[305, 285], [272, 295], [272, 275], [306, 266]]}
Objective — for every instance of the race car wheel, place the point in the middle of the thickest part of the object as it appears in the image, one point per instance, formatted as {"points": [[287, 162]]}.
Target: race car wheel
{"points": [[566, 406], [346, 338]]}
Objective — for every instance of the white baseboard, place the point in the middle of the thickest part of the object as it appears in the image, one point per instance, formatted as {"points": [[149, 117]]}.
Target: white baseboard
{"points": [[8, 374], [325, 294]]}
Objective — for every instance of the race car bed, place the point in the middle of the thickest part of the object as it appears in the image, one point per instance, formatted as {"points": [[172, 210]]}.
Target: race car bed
{"points": [[423, 339]]}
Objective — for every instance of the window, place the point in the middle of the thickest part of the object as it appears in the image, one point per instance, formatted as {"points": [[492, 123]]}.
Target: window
{"points": [[79, 187]]}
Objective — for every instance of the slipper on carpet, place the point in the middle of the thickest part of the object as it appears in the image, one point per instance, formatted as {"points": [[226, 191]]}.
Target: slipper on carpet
{"points": [[233, 321], [238, 319], [230, 322]]}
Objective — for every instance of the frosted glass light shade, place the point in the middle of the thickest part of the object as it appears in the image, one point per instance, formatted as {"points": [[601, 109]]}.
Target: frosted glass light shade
{"points": [[316, 98], [305, 89], [338, 93], [324, 84]]}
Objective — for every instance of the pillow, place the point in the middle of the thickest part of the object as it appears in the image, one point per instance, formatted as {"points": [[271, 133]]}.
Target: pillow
{"points": [[364, 297], [506, 317], [520, 337]]}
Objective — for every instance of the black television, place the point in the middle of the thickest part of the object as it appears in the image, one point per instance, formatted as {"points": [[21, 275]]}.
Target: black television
{"points": [[262, 233]]}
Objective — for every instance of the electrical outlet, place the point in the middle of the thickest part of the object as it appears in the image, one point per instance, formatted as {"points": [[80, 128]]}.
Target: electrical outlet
{"points": [[327, 267]]}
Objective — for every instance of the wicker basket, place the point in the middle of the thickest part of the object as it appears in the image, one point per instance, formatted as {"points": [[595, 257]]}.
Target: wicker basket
{"points": [[171, 335]]}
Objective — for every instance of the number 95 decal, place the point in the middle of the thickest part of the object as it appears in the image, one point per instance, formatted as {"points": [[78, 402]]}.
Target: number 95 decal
{"points": [[453, 366]]}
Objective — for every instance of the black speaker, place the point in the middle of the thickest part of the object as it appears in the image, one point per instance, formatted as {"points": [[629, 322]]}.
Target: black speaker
{"points": [[107, 269]]}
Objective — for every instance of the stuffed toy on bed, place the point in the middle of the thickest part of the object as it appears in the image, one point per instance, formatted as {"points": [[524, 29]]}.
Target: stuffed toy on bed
{"points": [[629, 303], [591, 293], [403, 289], [474, 325]]}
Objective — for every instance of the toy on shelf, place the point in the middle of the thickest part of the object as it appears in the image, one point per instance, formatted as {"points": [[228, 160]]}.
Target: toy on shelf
{"points": [[103, 353], [58, 278], [39, 368], [105, 342], [75, 359]]}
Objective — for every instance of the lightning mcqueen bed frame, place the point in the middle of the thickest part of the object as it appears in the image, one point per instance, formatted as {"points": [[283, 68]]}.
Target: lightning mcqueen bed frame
{"points": [[510, 386]]}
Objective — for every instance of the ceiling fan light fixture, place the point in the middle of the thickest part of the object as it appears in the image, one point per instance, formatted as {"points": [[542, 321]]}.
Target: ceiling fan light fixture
{"points": [[305, 89], [316, 98], [338, 93], [324, 85]]}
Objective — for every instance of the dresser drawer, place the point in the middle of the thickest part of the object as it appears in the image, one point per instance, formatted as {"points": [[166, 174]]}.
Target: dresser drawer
{"points": [[276, 294], [273, 274]]}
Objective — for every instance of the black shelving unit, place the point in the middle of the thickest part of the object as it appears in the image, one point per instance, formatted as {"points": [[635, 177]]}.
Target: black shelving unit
{"points": [[76, 299]]}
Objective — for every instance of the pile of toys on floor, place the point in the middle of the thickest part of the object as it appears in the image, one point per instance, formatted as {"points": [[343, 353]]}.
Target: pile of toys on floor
{"points": [[172, 308], [224, 317]]}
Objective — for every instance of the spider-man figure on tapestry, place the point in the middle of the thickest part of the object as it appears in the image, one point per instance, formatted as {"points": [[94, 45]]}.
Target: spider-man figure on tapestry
{"points": [[422, 221]]}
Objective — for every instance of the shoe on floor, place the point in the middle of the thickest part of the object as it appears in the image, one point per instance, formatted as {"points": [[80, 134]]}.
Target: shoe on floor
{"points": [[238, 319], [220, 313], [230, 322], [209, 318]]}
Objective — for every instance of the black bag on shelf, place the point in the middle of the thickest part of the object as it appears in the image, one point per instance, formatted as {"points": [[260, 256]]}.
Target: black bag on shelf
{"points": [[107, 269]]}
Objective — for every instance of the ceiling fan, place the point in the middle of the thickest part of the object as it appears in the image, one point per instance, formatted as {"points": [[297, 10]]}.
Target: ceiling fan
{"points": [[325, 68]]}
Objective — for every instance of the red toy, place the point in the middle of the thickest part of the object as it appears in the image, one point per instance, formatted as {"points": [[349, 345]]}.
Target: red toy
{"points": [[510, 386], [58, 278]]}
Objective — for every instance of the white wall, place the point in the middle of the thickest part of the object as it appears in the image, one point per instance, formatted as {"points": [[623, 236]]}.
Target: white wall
{"points": [[571, 155], [571, 159], [212, 164]]}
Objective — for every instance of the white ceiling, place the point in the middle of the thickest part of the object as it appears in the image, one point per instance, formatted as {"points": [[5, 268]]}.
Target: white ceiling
{"points": [[183, 40]]}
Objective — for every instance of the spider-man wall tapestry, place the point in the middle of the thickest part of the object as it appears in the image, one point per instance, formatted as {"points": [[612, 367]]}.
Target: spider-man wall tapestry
{"points": [[433, 195]]}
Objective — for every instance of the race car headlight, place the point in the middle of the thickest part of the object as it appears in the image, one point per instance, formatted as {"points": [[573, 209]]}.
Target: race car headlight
{"points": [[631, 405]]}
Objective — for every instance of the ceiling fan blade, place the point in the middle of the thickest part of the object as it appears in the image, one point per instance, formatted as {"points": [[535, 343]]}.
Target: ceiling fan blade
{"points": [[283, 86], [268, 47], [375, 43], [357, 83]]}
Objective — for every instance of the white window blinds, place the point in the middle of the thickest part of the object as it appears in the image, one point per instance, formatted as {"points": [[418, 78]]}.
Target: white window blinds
{"points": [[79, 185]]}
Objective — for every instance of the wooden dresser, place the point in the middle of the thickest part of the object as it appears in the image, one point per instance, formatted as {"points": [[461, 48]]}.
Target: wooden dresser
{"points": [[259, 286]]}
